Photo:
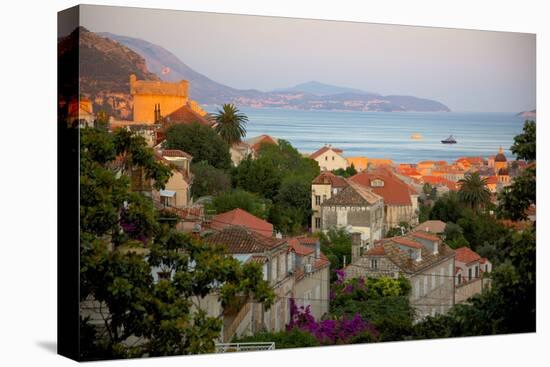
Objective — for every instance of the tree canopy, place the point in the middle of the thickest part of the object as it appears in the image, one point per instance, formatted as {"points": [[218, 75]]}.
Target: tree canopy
{"points": [[231, 123], [202, 142]]}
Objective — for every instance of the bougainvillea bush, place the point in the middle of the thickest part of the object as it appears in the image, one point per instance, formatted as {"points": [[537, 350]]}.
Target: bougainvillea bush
{"points": [[383, 301], [341, 330]]}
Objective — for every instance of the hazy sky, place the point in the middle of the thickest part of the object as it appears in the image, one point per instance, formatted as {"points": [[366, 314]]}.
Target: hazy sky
{"points": [[466, 70]]}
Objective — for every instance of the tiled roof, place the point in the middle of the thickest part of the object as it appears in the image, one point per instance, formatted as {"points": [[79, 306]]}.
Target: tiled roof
{"points": [[294, 245], [256, 142], [305, 240], [491, 180], [185, 115], [402, 259], [240, 217], [407, 242], [437, 180], [434, 226], [354, 195], [394, 191], [239, 240], [175, 153], [377, 250], [329, 178], [425, 235], [466, 255], [325, 149]]}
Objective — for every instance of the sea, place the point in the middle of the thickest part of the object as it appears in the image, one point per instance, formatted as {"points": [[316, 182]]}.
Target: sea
{"points": [[388, 134]]}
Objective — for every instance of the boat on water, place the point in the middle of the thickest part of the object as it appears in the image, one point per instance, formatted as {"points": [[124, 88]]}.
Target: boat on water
{"points": [[416, 136], [449, 140]]}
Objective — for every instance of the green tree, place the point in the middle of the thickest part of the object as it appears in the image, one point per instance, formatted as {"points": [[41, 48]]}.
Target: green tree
{"points": [[209, 180], [294, 338], [525, 144], [201, 142], [230, 124], [244, 200], [122, 240], [473, 191], [429, 191], [447, 208], [454, 236], [336, 244]]}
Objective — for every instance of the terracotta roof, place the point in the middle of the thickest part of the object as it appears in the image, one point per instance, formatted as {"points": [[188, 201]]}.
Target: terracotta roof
{"points": [[325, 149], [305, 240], [394, 191], [329, 178], [185, 115], [355, 195], [425, 235], [407, 242], [483, 260], [466, 255], [256, 142], [434, 226], [472, 160], [402, 259], [239, 240], [491, 180], [376, 251], [175, 153], [240, 217], [436, 180], [294, 245]]}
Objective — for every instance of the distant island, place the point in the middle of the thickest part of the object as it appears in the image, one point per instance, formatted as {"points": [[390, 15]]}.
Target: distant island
{"points": [[528, 114]]}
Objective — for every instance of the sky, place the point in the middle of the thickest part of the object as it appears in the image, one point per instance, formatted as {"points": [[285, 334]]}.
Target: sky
{"points": [[470, 71]]}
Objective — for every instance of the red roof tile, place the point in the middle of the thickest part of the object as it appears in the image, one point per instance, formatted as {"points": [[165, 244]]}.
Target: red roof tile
{"points": [[185, 115], [329, 178], [294, 245], [394, 191], [239, 217], [175, 153], [406, 242], [466, 255], [376, 251], [425, 235], [323, 150], [239, 240]]}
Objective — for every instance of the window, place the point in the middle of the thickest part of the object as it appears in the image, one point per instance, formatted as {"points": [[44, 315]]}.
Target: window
{"points": [[477, 271], [324, 198], [486, 268], [317, 199], [377, 183], [425, 284], [459, 279], [326, 158], [332, 157], [442, 277], [317, 222], [469, 274], [374, 263]]}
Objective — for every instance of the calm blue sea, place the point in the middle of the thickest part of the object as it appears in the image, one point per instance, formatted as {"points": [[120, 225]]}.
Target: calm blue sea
{"points": [[388, 135]]}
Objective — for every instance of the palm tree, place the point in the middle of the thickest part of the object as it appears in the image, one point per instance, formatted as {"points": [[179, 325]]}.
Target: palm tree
{"points": [[474, 191], [230, 123]]}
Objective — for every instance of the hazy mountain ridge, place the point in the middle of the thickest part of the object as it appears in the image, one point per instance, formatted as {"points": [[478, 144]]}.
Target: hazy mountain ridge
{"points": [[309, 95]]}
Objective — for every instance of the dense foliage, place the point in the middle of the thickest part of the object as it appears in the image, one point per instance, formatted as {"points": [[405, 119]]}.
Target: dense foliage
{"points": [[209, 180], [122, 240], [245, 200], [336, 245], [202, 142], [283, 176]]}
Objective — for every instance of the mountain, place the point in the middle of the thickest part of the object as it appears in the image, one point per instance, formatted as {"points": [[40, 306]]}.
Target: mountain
{"points": [[104, 69], [165, 64], [321, 89], [528, 114], [105, 54]]}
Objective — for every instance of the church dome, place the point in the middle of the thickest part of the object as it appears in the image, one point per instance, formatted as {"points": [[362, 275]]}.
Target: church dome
{"points": [[500, 157]]}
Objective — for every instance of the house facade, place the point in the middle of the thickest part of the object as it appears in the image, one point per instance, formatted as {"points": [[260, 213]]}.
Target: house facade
{"points": [[329, 158], [357, 210], [177, 191], [422, 258], [471, 274], [312, 274], [323, 187], [400, 200]]}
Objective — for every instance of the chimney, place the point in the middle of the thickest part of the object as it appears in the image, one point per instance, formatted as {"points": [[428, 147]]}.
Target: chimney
{"points": [[355, 246]]}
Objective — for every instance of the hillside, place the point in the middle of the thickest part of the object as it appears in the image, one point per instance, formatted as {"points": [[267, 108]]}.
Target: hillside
{"points": [[321, 89], [105, 67]]}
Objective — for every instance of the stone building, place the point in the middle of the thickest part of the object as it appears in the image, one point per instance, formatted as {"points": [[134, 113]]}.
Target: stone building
{"points": [[357, 210], [271, 254], [400, 200], [422, 258], [311, 270], [329, 158], [471, 274], [177, 191], [323, 187]]}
